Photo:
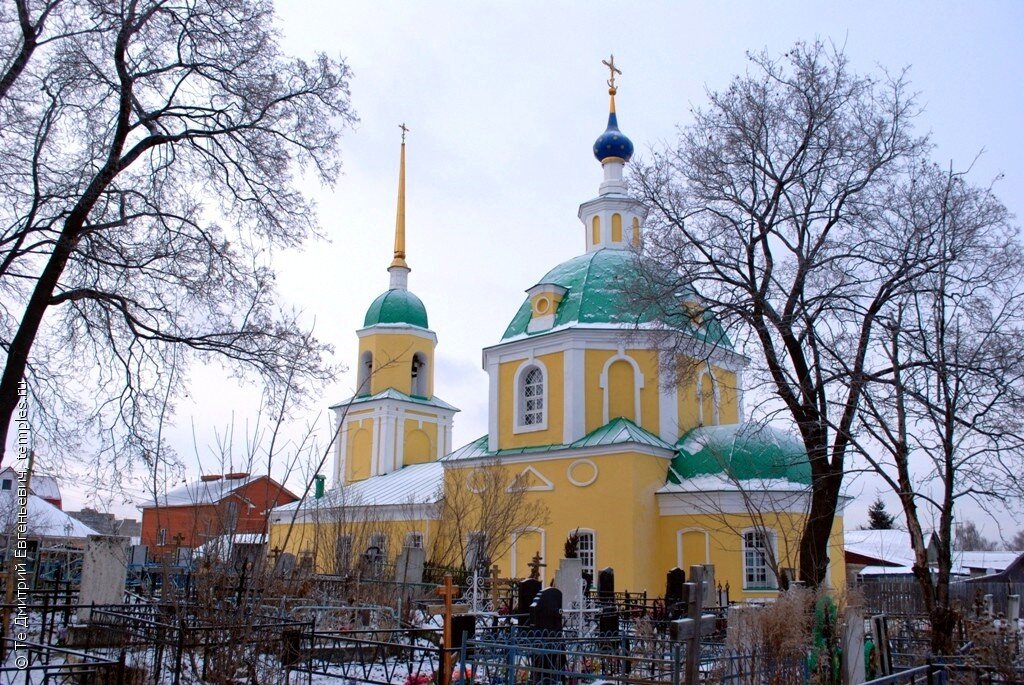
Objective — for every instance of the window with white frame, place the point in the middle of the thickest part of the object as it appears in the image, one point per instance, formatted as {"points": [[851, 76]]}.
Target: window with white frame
{"points": [[378, 546], [757, 572], [586, 550], [414, 540], [161, 537], [531, 397]]}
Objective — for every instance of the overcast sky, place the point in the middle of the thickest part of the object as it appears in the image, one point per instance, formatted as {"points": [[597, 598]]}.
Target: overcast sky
{"points": [[504, 101]]}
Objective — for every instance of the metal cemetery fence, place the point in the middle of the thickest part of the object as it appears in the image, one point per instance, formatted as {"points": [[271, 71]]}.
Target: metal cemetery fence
{"points": [[381, 657], [45, 664], [903, 597]]}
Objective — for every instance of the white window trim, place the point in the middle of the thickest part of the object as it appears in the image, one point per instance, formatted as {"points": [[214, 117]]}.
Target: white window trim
{"points": [[638, 384], [517, 414], [679, 545], [513, 559], [422, 537], [715, 400], [773, 540], [593, 534]]}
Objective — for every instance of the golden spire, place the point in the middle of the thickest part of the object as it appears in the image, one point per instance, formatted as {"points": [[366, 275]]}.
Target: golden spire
{"points": [[613, 70], [399, 259]]}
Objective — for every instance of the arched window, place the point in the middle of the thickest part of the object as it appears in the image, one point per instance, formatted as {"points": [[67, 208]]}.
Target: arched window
{"points": [[595, 231], [531, 397], [419, 375], [364, 373], [616, 228], [707, 399]]}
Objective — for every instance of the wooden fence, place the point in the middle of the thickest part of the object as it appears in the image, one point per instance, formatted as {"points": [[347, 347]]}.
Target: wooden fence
{"points": [[903, 597]]}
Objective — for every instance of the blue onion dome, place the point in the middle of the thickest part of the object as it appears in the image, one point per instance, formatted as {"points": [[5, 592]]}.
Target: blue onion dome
{"points": [[613, 142]]}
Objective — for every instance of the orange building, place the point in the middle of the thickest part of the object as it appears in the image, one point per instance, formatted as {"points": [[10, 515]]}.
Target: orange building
{"points": [[215, 505]]}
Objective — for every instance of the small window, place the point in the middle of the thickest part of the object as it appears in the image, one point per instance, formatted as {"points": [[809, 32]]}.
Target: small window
{"points": [[757, 572], [586, 550], [231, 519], [531, 397], [379, 545], [6, 485], [364, 373], [161, 537], [414, 540], [707, 400]]}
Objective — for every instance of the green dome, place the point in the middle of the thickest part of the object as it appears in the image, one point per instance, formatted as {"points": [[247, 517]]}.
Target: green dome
{"points": [[397, 306], [742, 451], [598, 285]]}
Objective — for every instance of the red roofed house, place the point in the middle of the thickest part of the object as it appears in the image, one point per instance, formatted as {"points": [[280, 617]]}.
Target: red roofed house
{"points": [[195, 513], [43, 487]]}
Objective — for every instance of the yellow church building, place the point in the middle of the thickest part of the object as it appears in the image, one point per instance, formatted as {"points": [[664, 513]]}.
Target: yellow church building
{"points": [[591, 427]]}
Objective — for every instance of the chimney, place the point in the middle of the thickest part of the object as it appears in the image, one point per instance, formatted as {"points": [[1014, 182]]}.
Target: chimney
{"points": [[209, 478], [236, 476]]}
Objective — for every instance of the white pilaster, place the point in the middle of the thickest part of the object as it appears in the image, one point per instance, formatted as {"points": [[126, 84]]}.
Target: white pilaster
{"points": [[668, 402], [492, 404]]}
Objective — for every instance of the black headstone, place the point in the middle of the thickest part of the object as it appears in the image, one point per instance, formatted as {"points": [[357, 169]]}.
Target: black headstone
{"points": [[528, 590], [546, 611], [606, 585], [463, 628], [674, 581]]}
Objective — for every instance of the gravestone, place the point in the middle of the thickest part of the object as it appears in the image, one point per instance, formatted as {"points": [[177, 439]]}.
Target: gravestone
{"points": [[606, 585], [104, 570], [286, 564], [546, 619], [741, 632], [140, 555], [1013, 612], [463, 629], [528, 591], [674, 581], [409, 565], [853, 647], [710, 589], [569, 579]]}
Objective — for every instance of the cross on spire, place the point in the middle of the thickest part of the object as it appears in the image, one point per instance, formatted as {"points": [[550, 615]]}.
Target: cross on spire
{"points": [[405, 129], [613, 70]]}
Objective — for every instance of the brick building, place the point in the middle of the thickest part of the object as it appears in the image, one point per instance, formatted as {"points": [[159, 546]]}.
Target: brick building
{"points": [[215, 505]]}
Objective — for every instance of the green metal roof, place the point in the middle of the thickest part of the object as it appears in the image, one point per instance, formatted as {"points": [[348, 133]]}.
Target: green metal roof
{"points": [[742, 451], [616, 432], [393, 394], [397, 306], [598, 285]]}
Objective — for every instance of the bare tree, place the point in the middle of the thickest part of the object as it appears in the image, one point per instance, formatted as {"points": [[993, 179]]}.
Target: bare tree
{"points": [[766, 209], [148, 166], [482, 510], [943, 418]]}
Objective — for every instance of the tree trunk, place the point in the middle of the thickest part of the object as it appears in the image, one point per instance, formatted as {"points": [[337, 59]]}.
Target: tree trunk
{"points": [[818, 529]]}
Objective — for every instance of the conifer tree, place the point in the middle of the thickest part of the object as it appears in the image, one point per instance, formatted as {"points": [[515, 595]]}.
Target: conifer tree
{"points": [[878, 517]]}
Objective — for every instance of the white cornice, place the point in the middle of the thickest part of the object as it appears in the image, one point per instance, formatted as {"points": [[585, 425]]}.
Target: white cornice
{"points": [[568, 453], [398, 329]]}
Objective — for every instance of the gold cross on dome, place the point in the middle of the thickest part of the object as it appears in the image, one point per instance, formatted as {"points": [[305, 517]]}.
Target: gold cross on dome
{"points": [[405, 129], [610, 63]]}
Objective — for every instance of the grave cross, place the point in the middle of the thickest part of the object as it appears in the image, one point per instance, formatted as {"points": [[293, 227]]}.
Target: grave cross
{"points": [[694, 626], [536, 565], [447, 592]]}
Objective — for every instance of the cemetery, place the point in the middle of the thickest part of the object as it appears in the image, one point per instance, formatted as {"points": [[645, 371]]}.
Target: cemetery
{"points": [[287, 625]]}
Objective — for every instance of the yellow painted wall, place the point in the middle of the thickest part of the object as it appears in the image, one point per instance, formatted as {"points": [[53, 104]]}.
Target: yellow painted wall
{"points": [[553, 402], [616, 228], [595, 231], [620, 395], [728, 399], [359, 449], [319, 538], [392, 360], [420, 442]]}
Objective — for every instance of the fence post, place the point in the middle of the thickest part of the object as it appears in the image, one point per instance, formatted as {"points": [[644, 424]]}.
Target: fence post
{"points": [[179, 649], [853, 646]]}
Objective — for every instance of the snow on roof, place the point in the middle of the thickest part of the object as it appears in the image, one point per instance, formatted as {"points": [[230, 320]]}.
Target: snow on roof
{"points": [[964, 562], [718, 482], [223, 543], [414, 484], [44, 519], [200, 492], [41, 485], [887, 546]]}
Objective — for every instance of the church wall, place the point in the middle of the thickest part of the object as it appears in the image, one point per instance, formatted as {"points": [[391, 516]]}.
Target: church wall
{"points": [[392, 360], [686, 540], [616, 503], [319, 537], [420, 441], [728, 399], [618, 392], [554, 402], [359, 437]]}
